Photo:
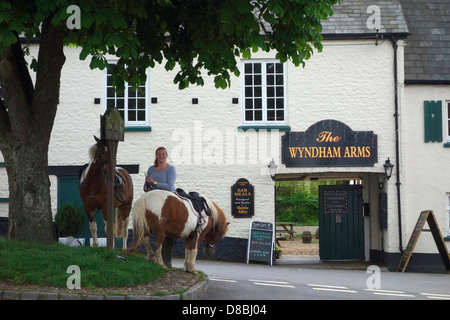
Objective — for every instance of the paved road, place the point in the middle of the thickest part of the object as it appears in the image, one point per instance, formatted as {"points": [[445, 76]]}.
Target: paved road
{"points": [[240, 281]]}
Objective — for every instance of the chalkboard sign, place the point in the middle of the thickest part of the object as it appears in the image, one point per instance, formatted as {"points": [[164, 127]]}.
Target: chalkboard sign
{"points": [[260, 242], [242, 199], [425, 216]]}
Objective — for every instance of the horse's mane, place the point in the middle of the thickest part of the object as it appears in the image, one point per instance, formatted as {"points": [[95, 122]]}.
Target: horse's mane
{"points": [[92, 151], [218, 216]]}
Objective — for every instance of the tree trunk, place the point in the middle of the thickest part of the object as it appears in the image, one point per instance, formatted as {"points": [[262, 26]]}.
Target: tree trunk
{"points": [[27, 115]]}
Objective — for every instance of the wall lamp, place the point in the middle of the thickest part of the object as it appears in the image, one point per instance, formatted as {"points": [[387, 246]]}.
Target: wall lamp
{"points": [[272, 169], [388, 166]]}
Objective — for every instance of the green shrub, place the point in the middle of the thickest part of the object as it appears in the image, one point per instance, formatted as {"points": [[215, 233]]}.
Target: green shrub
{"points": [[69, 219]]}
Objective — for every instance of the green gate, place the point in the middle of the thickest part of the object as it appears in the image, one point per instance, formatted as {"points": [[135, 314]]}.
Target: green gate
{"points": [[341, 224], [68, 191]]}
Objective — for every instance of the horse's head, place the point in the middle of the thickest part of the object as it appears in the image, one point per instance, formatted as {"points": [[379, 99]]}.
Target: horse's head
{"points": [[218, 230], [99, 152]]}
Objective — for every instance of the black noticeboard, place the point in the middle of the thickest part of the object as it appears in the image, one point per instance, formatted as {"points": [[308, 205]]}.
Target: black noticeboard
{"points": [[260, 242], [242, 199]]}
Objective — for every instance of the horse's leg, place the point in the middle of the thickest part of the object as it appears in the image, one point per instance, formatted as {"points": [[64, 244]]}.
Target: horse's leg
{"points": [[159, 238], [93, 227], [190, 255], [122, 216], [148, 247]]}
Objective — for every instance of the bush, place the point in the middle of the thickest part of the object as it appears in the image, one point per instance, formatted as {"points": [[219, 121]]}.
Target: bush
{"points": [[69, 219]]}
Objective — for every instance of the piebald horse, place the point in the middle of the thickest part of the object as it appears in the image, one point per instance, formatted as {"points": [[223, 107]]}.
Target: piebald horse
{"points": [[162, 213], [94, 192]]}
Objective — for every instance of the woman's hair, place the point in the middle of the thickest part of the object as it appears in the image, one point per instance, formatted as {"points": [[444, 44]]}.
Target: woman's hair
{"points": [[156, 152]]}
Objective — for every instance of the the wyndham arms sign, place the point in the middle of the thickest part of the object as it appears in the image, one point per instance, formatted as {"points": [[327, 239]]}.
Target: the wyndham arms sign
{"points": [[329, 143]]}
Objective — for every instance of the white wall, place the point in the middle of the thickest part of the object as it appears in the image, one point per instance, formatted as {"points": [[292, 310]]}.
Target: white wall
{"points": [[427, 175]]}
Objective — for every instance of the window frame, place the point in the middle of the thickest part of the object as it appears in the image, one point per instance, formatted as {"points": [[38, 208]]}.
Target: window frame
{"points": [[264, 89], [129, 124]]}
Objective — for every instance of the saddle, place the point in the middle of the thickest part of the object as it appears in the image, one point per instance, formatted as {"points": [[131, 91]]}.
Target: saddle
{"points": [[197, 202]]}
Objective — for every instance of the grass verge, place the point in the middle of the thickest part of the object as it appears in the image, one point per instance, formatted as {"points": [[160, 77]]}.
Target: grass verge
{"points": [[46, 265]]}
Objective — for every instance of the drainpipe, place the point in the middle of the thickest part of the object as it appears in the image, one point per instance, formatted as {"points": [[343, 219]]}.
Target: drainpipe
{"points": [[397, 147]]}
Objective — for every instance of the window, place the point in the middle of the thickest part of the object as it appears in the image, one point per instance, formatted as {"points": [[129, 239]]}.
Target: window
{"points": [[447, 121], [132, 105], [264, 92]]}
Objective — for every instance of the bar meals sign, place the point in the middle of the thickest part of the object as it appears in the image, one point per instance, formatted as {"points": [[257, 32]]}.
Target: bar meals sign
{"points": [[329, 143]]}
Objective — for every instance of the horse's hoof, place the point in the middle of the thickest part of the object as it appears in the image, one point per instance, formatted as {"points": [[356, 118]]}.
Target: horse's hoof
{"points": [[192, 272]]}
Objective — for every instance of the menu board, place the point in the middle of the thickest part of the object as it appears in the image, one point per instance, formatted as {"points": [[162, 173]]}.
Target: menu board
{"points": [[242, 199], [260, 242]]}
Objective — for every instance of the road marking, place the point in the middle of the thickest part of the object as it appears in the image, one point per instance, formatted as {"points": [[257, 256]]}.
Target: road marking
{"points": [[436, 296], [222, 280], [335, 290], [269, 281], [393, 294], [326, 286], [282, 284], [384, 291], [322, 287]]}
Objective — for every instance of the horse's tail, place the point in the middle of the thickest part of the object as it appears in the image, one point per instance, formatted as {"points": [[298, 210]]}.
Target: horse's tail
{"points": [[141, 228]]}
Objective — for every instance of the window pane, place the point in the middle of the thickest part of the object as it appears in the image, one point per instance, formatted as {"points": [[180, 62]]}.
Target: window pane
{"points": [[120, 104], [257, 80], [248, 92], [279, 68], [131, 115], [248, 80], [249, 115], [110, 103], [258, 115], [141, 104], [270, 103], [141, 92], [248, 68], [270, 92], [257, 68], [131, 93], [248, 104], [258, 103], [258, 91], [280, 103], [141, 115], [280, 115], [271, 115], [131, 104], [280, 91], [110, 93], [269, 68], [270, 80], [279, 80]]}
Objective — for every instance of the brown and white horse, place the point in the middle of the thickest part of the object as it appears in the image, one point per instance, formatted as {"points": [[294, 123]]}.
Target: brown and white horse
{"points": [[162, 213], [94, 192]]}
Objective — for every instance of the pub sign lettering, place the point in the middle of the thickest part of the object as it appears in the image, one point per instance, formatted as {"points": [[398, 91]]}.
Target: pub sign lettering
{"points": [[329, 143], [242, 199]]}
